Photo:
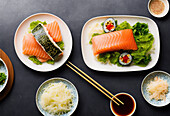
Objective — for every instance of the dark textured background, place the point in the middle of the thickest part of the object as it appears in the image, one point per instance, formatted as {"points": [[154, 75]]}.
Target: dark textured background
{"points": [[21, 100]]}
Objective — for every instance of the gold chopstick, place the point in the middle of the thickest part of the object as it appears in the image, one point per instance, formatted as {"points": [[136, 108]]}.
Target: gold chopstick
{"points": [[93, 83]]}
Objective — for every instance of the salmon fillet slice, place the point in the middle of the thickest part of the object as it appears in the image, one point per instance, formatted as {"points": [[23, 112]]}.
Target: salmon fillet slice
{"points": [[54, 31], [32, 48], [46, 59], [114, 41], [42, 59]]}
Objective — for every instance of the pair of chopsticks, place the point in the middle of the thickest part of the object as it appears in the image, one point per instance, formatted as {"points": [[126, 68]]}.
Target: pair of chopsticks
{"points": [[94, 83]]}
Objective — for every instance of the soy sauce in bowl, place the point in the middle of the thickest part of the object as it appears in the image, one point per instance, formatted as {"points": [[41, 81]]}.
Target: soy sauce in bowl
{"points": [[123, 110]]}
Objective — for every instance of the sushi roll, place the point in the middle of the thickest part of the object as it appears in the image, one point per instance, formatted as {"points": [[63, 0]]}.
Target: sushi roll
{"points": [[109, 25], [44, 39], [125, 59]]}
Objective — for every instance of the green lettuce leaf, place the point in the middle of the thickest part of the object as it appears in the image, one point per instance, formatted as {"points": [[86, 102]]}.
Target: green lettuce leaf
{"points": [[34, 24], [103, 57], [140, 29], [102, 24], [123, 25], [144, 41], [114, 59], [50, 61], [142, 60], [35, 60], [61, 45]]}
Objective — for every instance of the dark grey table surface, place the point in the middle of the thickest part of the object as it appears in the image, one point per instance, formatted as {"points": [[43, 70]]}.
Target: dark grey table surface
{"points": [[21, 99]]}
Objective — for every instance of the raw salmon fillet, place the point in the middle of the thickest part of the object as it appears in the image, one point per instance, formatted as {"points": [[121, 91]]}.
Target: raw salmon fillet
{"points": [[54, 31], [114, 41], [42, 59], [32, 48]]}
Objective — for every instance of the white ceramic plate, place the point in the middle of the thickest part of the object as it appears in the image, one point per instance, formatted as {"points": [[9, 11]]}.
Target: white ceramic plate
{"points": [[23, 29], [57, 80], [87, 51], [147, 80], [3, 69]]}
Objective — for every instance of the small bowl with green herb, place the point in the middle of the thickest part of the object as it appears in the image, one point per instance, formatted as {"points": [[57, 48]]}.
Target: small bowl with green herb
{"points": [[3, 75]]}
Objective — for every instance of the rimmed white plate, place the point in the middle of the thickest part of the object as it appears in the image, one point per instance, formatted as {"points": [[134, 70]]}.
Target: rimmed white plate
{"points": [[163, 75], [57, 80], [3, 69], [87, 51], [23, 29]]}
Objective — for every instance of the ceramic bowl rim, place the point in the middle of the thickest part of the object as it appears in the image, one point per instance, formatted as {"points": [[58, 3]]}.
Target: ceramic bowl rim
{"points": [[128, 95], [158, 71], [6, 75], [59, 78], [159, 16]]}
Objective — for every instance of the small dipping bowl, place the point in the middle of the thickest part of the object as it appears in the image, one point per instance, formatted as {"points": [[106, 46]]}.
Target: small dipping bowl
{"points": [[3, 69], [127, 109], [147, 80], [166, 10]]}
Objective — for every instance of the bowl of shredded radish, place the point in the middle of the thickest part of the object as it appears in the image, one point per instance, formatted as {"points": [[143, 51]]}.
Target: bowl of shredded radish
{"points": [[155, 88], [57, 97]]}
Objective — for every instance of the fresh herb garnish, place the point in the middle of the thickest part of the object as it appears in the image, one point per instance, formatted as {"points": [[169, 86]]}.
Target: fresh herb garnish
{"points": [[50, 61], [123, 25], [2, 78], [61, 45], [34, 24], [35, 60]]}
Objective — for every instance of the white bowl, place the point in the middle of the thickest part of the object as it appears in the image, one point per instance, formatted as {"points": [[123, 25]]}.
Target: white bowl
{"points": [[166, 10], [132, 99], [146, 81], [57, 80], [3, 69]]}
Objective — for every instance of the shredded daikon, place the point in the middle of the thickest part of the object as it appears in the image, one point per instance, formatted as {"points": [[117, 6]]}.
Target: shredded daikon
{"points": [[158, 89], [95, 28], [56, 98]]}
